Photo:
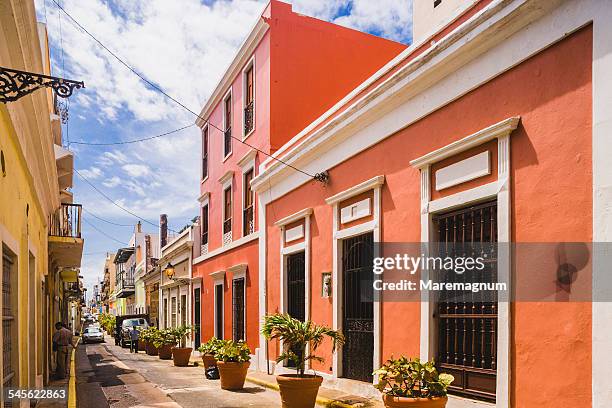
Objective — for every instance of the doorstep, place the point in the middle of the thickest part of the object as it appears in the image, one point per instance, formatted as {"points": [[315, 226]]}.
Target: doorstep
{"points": [[326, 397]]}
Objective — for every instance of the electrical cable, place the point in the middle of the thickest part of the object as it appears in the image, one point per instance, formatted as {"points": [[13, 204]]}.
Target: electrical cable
{"points": [[132, 141], [322, 177], [107, 221], [104, 233]]}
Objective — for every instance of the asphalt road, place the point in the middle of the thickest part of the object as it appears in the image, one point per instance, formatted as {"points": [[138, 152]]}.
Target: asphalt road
{"points": [[109, 376]]}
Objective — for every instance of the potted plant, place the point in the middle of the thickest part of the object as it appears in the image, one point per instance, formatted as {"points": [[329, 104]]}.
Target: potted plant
{"points": [[181, 354], [147, 336], [233, 360], [300, 389], [408, 382], [208, 351], [164, 341]]}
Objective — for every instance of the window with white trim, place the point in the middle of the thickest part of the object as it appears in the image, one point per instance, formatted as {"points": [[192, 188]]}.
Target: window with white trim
{"points": [[249, 99], [227, 215], [248, 211], [227, 124], [219, 310], [205, 153]]}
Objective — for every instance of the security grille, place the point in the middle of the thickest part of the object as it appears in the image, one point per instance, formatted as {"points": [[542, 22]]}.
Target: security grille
{"points": [[219, 311], [296, 291], [8, 326], [466, 336], [358, 323], [197, 313], [238, 309]]}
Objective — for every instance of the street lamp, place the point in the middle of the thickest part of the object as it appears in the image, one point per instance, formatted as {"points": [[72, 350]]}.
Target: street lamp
{"points": [[169, 271]]}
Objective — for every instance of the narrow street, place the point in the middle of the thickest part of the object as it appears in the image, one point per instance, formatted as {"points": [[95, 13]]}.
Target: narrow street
{"points": [[108, 375]]}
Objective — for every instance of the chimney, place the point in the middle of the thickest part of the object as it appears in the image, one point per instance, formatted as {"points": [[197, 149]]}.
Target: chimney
{"points": [[139, 227], [148, 252], [163, 230]]}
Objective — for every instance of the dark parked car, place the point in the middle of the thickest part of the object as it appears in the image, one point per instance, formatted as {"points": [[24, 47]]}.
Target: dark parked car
{"points": [[125, 324]]}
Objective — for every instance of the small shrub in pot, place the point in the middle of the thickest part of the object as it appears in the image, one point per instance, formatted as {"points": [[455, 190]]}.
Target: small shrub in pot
{"points": [[233, 360]]}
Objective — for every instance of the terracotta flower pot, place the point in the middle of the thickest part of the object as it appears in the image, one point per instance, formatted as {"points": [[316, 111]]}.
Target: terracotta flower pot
{"points": [[209, 360], [298, 392], [142, 345], [391, 401], [232, 375], [151, 349], [165, 352], [180, 356]]}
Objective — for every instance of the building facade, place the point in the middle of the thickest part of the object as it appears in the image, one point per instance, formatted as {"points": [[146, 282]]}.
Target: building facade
{"points": [[263, 100], [493, 129], [40, 235]]}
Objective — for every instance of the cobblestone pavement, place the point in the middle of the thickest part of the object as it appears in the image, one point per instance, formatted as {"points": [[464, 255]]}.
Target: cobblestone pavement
{"points": [[108, 375]]}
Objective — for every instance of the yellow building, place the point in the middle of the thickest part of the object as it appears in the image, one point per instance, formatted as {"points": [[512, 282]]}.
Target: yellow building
{"points": [[40, 238]]}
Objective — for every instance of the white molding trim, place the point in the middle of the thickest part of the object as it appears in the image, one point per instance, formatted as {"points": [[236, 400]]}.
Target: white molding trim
{"points": [[246, 50], [228, 95], [238, 271], [370, 184], [229, 247], [203, 197], [500, 129], [356, 230], [293, 248], [465, 170], [247, 160], [501, 190], [294, 217], [227, 176], [217, 276]]}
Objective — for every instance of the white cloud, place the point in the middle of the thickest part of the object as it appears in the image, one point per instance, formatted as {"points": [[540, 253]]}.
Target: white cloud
{"points": [[92, 173], [112, 182], [136, 170]]}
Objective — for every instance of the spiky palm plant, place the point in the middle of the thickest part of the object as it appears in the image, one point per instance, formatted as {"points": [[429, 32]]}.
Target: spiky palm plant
{"points": [[296, 336]]}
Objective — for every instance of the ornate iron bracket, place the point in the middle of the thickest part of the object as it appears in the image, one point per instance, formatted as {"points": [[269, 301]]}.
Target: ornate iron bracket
{"points": [[14, 84]]}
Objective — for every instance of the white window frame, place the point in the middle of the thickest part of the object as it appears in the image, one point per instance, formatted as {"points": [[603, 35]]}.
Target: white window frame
{"points": [[374, 184], [207, 128], [500, 190], [246, 163], [218, 280], [228, 95], [239, 272], [204, 200], [227, 182], [250, 64]]}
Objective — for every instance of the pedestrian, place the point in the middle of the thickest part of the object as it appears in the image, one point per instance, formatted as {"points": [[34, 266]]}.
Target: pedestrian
{"points": [[62, 342], [134, 339]]}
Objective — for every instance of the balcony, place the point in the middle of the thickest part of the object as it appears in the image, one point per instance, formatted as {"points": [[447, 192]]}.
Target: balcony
{"points": [[247, 221], [248, 118], [65, 240]]}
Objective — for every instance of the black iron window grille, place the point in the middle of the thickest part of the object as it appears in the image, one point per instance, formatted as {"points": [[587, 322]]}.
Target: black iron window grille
{"points": [[248, 118], [238, 309], [248, 224], [219, 311], [204, 153], [467, 330], [227, 142], [205, 225]]}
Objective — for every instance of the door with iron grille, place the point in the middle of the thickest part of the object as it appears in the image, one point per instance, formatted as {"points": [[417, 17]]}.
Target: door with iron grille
{"points": [[296, 290], [467, 325], [238, 309], [197, 313], [358, 307], [219, 311]]}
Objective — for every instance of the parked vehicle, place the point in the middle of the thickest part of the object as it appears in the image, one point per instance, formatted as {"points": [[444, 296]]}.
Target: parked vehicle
{"points": [[124, 325], [92, 334]]}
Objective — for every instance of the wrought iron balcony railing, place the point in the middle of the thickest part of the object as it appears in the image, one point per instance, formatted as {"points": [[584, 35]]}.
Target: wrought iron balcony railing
{"points": [[227, 141], [227, 226], [66, 221], [248, 118], [247, 221]]}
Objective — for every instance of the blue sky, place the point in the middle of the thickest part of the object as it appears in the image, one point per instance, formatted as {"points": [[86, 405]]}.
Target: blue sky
{"points": [[184, 46]]}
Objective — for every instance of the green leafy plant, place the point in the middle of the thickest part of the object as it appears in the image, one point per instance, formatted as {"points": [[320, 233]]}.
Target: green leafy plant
{"points": [[404, 377], [296, 336], [164, 337], [181, 333], [107, 322], [148, 334], [230, 351], [211, 346]]}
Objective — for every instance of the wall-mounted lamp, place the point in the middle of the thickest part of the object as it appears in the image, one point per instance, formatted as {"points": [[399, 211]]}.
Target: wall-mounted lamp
{"points": [[169, 271], [326, 285]]}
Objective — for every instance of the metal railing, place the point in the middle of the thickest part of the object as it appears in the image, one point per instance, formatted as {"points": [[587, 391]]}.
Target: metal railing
{"points": [[247, 221], [66, 221], [227, 226], [248, 118]]}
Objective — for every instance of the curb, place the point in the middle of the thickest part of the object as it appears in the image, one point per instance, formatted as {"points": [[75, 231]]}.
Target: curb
{"points": [[326, 402], [72, 399]]}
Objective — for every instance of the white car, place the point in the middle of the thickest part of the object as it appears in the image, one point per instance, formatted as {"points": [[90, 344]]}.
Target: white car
{"points": [[93, 334]]}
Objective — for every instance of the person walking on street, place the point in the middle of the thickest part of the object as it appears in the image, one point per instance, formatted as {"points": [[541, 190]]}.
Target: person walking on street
{"points": [[134, 339], [62, 342]]}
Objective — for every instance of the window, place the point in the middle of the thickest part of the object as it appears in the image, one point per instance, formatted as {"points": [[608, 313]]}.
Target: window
{"points": [[248, 226], [173, 311], [205, 153], [227, 213], [197, 312], [437, 3], [249, 100], [183, 310], [205, 224], [238, 309], [8, 319], [165, 313], [219, 311], [227, 119], [466, 334]]}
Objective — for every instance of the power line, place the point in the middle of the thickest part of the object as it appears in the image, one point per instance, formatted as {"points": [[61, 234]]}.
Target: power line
{"points": [[104, 233], [318, 176], [115, 204], [133, 141], [107, 221]]}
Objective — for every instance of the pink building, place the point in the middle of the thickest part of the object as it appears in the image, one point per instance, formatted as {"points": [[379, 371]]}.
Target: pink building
{"points": [[290, 70]]}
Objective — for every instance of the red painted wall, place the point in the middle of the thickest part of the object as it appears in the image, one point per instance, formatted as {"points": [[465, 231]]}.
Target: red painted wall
{"points": [[551, 201]]}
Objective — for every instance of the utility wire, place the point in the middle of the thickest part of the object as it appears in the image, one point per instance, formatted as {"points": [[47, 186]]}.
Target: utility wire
{"points": [[104, 233], [133, 141], [107, 221], [115, 204], [318, 176]]}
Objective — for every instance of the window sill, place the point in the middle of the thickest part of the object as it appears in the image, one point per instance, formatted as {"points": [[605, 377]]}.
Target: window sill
{"points": [[227, 157], [203, 180], [245, 137]]}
